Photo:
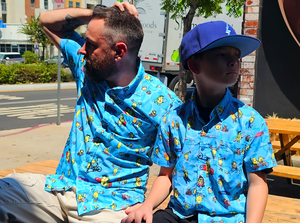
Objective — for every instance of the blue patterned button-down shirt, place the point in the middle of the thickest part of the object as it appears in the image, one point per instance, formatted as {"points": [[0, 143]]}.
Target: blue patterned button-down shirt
{"points": [[211, 160], [108, 152]]}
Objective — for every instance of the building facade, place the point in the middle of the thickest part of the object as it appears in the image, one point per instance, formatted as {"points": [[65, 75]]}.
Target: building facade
{"points": [[14, 13]]}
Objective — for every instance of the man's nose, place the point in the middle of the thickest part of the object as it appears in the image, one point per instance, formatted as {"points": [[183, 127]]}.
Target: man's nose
{"points": [[82, 50]]}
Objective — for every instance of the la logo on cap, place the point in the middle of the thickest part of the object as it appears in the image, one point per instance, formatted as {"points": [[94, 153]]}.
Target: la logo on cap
{"points": [[227, 30]]}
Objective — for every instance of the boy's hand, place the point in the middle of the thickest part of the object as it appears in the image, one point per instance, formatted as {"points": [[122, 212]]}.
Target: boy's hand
{"points": [[144, 212], [131, 8], [133, 208]]}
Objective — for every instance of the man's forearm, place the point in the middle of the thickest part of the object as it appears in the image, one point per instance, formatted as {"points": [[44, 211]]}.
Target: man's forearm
{"points": [[65, 20], [56, 23]]}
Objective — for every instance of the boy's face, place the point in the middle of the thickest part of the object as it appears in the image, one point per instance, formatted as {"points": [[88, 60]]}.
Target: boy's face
{"points": [[219, 67]]}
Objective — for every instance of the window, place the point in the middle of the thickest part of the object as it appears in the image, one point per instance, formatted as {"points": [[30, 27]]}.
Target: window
{"points": [[70, 4], [2, 47], [46, 4], [3, 5], [4, 18], [29, 48], [15, 48], [32, 3], [77, 4], [7, 48], [22, 48]]}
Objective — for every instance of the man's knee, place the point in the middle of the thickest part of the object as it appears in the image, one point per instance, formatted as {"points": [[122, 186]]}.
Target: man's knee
{"points": [[21, 188]]}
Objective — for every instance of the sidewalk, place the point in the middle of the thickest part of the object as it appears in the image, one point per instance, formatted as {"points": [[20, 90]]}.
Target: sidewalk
{"points": [[22, 146], [45, 142]]}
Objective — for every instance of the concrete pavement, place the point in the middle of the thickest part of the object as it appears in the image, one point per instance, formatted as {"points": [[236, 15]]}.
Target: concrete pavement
{"points": [[44, 142]]}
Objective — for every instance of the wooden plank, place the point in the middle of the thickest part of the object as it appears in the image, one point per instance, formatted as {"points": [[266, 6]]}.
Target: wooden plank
{"points": [[43, 167], [284, 140], [287, 172], [282, 209], [279, 209], [295, 147], [283, 126]]}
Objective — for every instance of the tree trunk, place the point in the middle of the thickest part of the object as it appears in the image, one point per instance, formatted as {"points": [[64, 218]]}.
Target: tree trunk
{"points": [[187, 24], [43, 55]]}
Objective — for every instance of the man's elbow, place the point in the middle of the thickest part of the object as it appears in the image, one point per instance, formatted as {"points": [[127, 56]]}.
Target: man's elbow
{"points": [[42, 19]]}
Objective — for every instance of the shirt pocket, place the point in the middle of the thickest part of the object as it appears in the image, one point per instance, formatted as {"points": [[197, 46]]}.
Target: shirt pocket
{"points": [[228, 176]]}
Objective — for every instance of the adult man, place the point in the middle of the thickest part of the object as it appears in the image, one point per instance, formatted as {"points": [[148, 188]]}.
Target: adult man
{"points": [[104, 166]]}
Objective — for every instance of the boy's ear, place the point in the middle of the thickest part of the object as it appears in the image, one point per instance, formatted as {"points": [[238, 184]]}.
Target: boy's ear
{"points": [[121, 50], [193, 65]]}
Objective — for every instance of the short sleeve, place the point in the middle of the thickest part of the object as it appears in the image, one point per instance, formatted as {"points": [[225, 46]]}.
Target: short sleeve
{"points": [[259, 153], [164, 154], [69, 45]]}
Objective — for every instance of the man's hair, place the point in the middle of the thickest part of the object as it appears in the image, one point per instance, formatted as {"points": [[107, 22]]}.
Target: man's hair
{"points": [[120, 26]]}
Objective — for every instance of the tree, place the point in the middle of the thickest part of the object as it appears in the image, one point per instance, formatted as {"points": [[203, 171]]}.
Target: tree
{"points": [[187, 10], [34, 31]]}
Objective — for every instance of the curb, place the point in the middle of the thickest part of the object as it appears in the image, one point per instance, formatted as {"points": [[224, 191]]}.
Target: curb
{"points": [[48, 86], [33, 128]]}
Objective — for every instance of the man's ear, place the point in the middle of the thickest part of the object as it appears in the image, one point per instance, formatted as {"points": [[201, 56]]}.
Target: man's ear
{"points": [[193, 65], [121, 50]]}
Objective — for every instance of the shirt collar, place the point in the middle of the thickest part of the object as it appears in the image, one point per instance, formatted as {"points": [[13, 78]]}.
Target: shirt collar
{"points": [[219, 109], [223, 105], [131, 87]]}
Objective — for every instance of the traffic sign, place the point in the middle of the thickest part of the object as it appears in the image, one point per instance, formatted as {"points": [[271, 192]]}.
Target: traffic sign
{"points": [[58, 4], [36, 45]]}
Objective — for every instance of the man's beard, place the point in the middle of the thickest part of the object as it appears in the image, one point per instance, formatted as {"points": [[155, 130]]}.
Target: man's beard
{"points": [[99, 70]]}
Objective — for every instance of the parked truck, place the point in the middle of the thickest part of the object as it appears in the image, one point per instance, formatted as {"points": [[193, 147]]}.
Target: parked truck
{"points": [[159, 52]]}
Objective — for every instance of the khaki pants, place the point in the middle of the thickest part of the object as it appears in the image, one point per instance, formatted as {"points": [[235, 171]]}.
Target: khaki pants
{"points": [[23, 199]]}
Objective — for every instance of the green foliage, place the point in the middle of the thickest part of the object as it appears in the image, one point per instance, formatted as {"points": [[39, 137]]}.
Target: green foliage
{"points": [[31, 73], [30, 57], [205, 8], [34, 30]]}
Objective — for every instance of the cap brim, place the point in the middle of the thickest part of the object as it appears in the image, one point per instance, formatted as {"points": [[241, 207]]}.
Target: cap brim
{"points": [[246, 44]]}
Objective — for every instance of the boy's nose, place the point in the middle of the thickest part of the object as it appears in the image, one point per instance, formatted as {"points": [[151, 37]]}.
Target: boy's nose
{"points": [[233, 61]]}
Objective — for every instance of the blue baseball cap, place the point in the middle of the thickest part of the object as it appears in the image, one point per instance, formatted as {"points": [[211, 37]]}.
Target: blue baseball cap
{"points": [[210, 35]]}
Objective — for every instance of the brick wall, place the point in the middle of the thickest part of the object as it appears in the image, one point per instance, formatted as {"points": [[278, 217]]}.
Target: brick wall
{"points": [[250, 26]]}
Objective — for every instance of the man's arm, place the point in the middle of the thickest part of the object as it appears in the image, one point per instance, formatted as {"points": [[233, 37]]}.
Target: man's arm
{"points": [[160, 190], [56, 23], [257, 197]]}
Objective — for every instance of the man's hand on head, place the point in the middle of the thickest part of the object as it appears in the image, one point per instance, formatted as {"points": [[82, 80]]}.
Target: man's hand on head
{"points": [[130, 8]]}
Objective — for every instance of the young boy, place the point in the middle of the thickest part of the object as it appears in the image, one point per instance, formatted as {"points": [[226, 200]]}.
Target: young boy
{"points": [[214, 151]]}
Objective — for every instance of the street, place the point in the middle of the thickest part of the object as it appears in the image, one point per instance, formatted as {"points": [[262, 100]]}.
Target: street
{"points": [[29, 108]]}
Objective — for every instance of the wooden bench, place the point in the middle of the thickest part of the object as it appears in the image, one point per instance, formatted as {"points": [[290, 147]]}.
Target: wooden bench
{"points": [[286, 171], [295, 147], [279, 209]]}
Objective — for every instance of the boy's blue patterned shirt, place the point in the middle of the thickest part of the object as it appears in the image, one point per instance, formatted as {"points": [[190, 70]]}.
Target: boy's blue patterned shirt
{"points": [[211, 160], [108, 152]]}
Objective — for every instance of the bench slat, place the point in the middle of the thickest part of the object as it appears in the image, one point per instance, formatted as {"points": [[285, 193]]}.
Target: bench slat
{"points": [[44, 167], [287, 172], [295, 147]]}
